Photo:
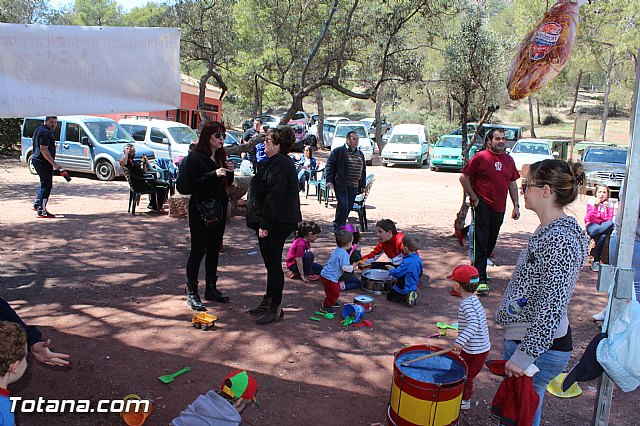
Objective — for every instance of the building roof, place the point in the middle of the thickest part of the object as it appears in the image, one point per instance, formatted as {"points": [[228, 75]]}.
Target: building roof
{"points": [[192, 85]]}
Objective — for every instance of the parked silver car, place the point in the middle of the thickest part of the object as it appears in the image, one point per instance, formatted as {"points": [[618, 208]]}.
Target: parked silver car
{"points": [[604, 165]]}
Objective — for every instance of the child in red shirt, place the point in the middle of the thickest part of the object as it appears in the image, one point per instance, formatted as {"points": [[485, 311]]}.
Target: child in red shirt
{"points": [[300, 258], [390, 244]]}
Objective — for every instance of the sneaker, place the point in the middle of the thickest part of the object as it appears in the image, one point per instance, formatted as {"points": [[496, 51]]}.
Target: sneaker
{"points": [[342, 285], [294, 276], [46, 215], [313, 277], [466, 404], [412, 298], [327, 310], [599, 316], [454, 293], [483, 289], [34, 208], [489, 262], [337, 305], [595, 266]]}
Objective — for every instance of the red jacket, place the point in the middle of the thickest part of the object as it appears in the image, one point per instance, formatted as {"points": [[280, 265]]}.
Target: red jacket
{"points": [[392, 248], [516, 401]]}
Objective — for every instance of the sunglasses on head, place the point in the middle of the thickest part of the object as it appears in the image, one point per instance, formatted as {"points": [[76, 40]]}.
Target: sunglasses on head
{"points": [[525, 186], [220, 135]]}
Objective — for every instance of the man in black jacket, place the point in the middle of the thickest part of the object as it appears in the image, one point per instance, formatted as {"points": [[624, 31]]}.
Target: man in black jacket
{"points": [[43, 160], [346, 173]]}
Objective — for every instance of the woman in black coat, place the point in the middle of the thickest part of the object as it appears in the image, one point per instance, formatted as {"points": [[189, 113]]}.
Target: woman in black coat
{"points": [[273, 211], [208, 176]]}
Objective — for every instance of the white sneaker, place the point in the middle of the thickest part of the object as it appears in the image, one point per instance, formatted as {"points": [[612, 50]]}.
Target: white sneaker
{"points": [[489, 262], [595, 266], [466, 404], [599, 316]]}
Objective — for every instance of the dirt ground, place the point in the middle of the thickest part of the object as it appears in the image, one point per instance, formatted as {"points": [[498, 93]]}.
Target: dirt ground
{"points": [[108, 288]]}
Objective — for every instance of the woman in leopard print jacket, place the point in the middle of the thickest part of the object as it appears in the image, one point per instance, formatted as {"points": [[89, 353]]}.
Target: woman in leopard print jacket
{"points": [[537, 329]]}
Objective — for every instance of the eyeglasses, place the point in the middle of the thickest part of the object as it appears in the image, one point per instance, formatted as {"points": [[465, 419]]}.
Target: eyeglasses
{"points": [[220, 135], [525, 186]]}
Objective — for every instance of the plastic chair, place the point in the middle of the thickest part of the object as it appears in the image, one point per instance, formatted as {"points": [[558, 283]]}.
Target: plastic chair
{"points": [[359, 204], [315, 175], [137, 187]]}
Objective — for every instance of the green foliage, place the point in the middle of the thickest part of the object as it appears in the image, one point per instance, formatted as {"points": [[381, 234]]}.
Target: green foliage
{"points": [[551, 118], [149, 15], [10, 135], [97, 12]]}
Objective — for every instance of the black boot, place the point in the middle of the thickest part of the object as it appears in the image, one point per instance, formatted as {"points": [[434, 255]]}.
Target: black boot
{"points": [[274, 313], [262, 308], [212, 293], [193, 298]]}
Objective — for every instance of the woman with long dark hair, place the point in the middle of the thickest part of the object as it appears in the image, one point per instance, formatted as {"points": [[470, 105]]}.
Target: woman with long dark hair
{"points": [[208, 176], [534, 307], [273, 211]]}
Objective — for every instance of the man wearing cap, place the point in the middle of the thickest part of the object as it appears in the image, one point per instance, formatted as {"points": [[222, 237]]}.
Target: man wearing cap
{"points": [[487, 178]]}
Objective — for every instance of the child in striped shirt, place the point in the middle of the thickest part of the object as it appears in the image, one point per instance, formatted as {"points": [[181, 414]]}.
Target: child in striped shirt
{"points": [[473, 342]]}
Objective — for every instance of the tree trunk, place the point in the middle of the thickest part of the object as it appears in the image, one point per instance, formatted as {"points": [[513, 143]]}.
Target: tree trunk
{"points": [[256, 97], [607, 91], [201, 96], [430, 100], [538, 109], [450, 108], [320, 121], [531, 122], [378, 115], [575, 93]]}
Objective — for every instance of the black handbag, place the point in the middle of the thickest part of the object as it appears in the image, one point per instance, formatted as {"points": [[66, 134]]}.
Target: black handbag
{"points": [[212, 212]]}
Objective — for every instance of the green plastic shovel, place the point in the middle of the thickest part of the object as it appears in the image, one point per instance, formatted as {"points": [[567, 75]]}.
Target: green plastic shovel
{"points": [[168, 378], [444, 325]]}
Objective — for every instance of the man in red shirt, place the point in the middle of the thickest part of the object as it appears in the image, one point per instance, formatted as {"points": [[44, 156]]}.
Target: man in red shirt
{"points": [[487, 178]]}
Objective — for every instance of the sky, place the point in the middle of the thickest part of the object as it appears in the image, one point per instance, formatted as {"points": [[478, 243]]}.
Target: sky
{"points": [[126, 4]]}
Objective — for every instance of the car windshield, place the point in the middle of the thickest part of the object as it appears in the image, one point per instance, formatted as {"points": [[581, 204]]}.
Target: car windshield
{"points": [[109, 132], [299, 116], [341, 132], [183, 135], [616, 156], [449, 143], [231, 138], [405, 139], [531, 148]]}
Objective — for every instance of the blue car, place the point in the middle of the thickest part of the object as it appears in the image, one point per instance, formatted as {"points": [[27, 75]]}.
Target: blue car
{"points": [[447, 153]]}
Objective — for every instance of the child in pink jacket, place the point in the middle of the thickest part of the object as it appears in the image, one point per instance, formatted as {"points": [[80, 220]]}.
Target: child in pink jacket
{"points": [[599, 221]]}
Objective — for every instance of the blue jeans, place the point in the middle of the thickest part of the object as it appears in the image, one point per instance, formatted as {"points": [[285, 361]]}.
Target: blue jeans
{"points": [[551, 363], [345, 197], [309, 266], [635, 263], [45, 172], [599, 234], [303, 177]]}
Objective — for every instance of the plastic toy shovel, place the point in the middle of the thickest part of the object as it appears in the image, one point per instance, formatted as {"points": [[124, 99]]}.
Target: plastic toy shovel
{"points": [[444, 325], [168, 378]]}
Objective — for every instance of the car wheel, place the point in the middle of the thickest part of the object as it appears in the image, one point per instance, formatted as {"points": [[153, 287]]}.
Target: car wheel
{"points": [[433, 169], [30, 164], [105, 171], [197, 325], [385, 164], [369, 162], [205, 327]]}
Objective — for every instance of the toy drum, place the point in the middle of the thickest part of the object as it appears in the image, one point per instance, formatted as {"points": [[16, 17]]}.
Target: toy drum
{"points": [[427, 392], [377, 281], [365, 301]]}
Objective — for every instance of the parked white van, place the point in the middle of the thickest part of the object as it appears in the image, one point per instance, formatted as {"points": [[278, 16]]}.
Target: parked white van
{"points": [[84, 144], [408, 144], [167, 139]]}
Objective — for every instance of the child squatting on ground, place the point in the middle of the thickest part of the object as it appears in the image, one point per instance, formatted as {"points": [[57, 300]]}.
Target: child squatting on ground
{"points": [[390, 244], [338, 264], [300, 258], [13, 364], [349, 280], [405, 290], [473, 342]]}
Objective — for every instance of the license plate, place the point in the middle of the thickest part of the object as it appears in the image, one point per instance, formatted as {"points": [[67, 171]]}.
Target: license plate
{"points": [[450, 161]]}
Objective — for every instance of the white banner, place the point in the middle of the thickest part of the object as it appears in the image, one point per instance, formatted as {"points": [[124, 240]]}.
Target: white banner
{"points": [[63, 70]]}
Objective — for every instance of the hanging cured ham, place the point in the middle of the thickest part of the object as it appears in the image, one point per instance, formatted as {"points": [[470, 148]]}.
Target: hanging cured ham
{"points": [[544, 51]]}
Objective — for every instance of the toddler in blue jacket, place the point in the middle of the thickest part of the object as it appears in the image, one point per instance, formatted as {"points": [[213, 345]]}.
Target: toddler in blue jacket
{"points": [[406, 291]]}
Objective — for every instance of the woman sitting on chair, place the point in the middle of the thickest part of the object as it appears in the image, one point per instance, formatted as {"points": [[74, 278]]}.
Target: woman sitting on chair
{"points": [[306, 164], [599, 221]]}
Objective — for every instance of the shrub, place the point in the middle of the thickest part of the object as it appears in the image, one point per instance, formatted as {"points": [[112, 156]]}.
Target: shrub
{"points": [[10, 135], [551, 119]]}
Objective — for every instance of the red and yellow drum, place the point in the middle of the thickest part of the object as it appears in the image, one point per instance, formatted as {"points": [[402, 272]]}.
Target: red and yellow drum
{"points": [[427, 392]]}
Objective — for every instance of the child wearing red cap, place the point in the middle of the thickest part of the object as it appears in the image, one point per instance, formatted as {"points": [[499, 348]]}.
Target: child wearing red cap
{"points": [[473, 342]]}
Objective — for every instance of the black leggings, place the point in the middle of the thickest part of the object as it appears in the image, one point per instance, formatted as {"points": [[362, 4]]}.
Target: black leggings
{"points": [[203, 240], [271, 249]]}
